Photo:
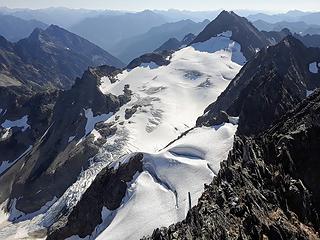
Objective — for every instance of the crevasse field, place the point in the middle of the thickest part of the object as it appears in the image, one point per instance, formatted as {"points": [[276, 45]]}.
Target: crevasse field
{"points": [[169, 99]]}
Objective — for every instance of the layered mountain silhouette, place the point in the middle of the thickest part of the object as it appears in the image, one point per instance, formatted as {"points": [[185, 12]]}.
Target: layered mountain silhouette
{"points": [[130, 48], [296, 27], [174, 44], [14, 28], [99, 28]]}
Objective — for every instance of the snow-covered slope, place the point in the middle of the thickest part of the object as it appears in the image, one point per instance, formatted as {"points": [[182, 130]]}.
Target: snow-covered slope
{"points": [[166, 102], [168, 99], [158, 196]]}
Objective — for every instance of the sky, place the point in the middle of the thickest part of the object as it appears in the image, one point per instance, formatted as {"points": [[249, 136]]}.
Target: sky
{"points": [[196, 5]]}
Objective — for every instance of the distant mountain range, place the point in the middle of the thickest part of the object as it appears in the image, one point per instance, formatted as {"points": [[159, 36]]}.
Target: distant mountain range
{"points": [[63, 17], [14, 28], [291, 16], [108, 30], [131, 48], [174, 44], [295, 27], [52, 57]]}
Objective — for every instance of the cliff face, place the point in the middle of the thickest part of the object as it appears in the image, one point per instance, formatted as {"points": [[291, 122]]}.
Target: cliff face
{"points": [[266, 189]]}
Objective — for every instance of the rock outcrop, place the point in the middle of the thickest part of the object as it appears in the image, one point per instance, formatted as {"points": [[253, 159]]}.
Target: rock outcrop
{"points": [[156, 59]]}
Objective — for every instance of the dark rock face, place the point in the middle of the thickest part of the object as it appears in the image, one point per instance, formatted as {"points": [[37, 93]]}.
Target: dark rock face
{"points": [[17, 102], [188, 39], [266, 189], [56, 161], [275, 81], [276, 36], [158, 58], [53, 58], [174, 44], [243, 32], [107, 190]]}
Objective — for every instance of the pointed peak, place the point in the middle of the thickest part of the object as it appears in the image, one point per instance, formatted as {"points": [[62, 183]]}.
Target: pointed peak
{"points": [[227, 14], [55, 28], [36, 33], [52, 26]]}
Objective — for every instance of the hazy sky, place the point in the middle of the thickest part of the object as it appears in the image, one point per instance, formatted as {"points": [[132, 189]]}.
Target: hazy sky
{"points": [[270, 5]]}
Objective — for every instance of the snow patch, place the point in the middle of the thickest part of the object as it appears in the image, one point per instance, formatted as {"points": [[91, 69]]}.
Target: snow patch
{"points": [[20, 123], [16, 214], [150, 65], [309, 92], [105, 84], [313, 67], [70, 139], [6, 134], [233, 120], [221, 43], [92, 121]]}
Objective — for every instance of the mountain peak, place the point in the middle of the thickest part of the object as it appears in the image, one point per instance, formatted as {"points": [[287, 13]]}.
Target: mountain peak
{"points": [[54, 27], [35, 35], [243, 32], [225, 14]]}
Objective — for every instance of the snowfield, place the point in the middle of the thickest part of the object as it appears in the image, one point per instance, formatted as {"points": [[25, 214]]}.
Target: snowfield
{"points": [[166, 102], [159, 195], [170, 98]]}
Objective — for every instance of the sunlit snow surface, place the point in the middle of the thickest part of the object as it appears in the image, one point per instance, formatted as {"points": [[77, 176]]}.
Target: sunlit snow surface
{"points": [[169, 100], [159, 195]]}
